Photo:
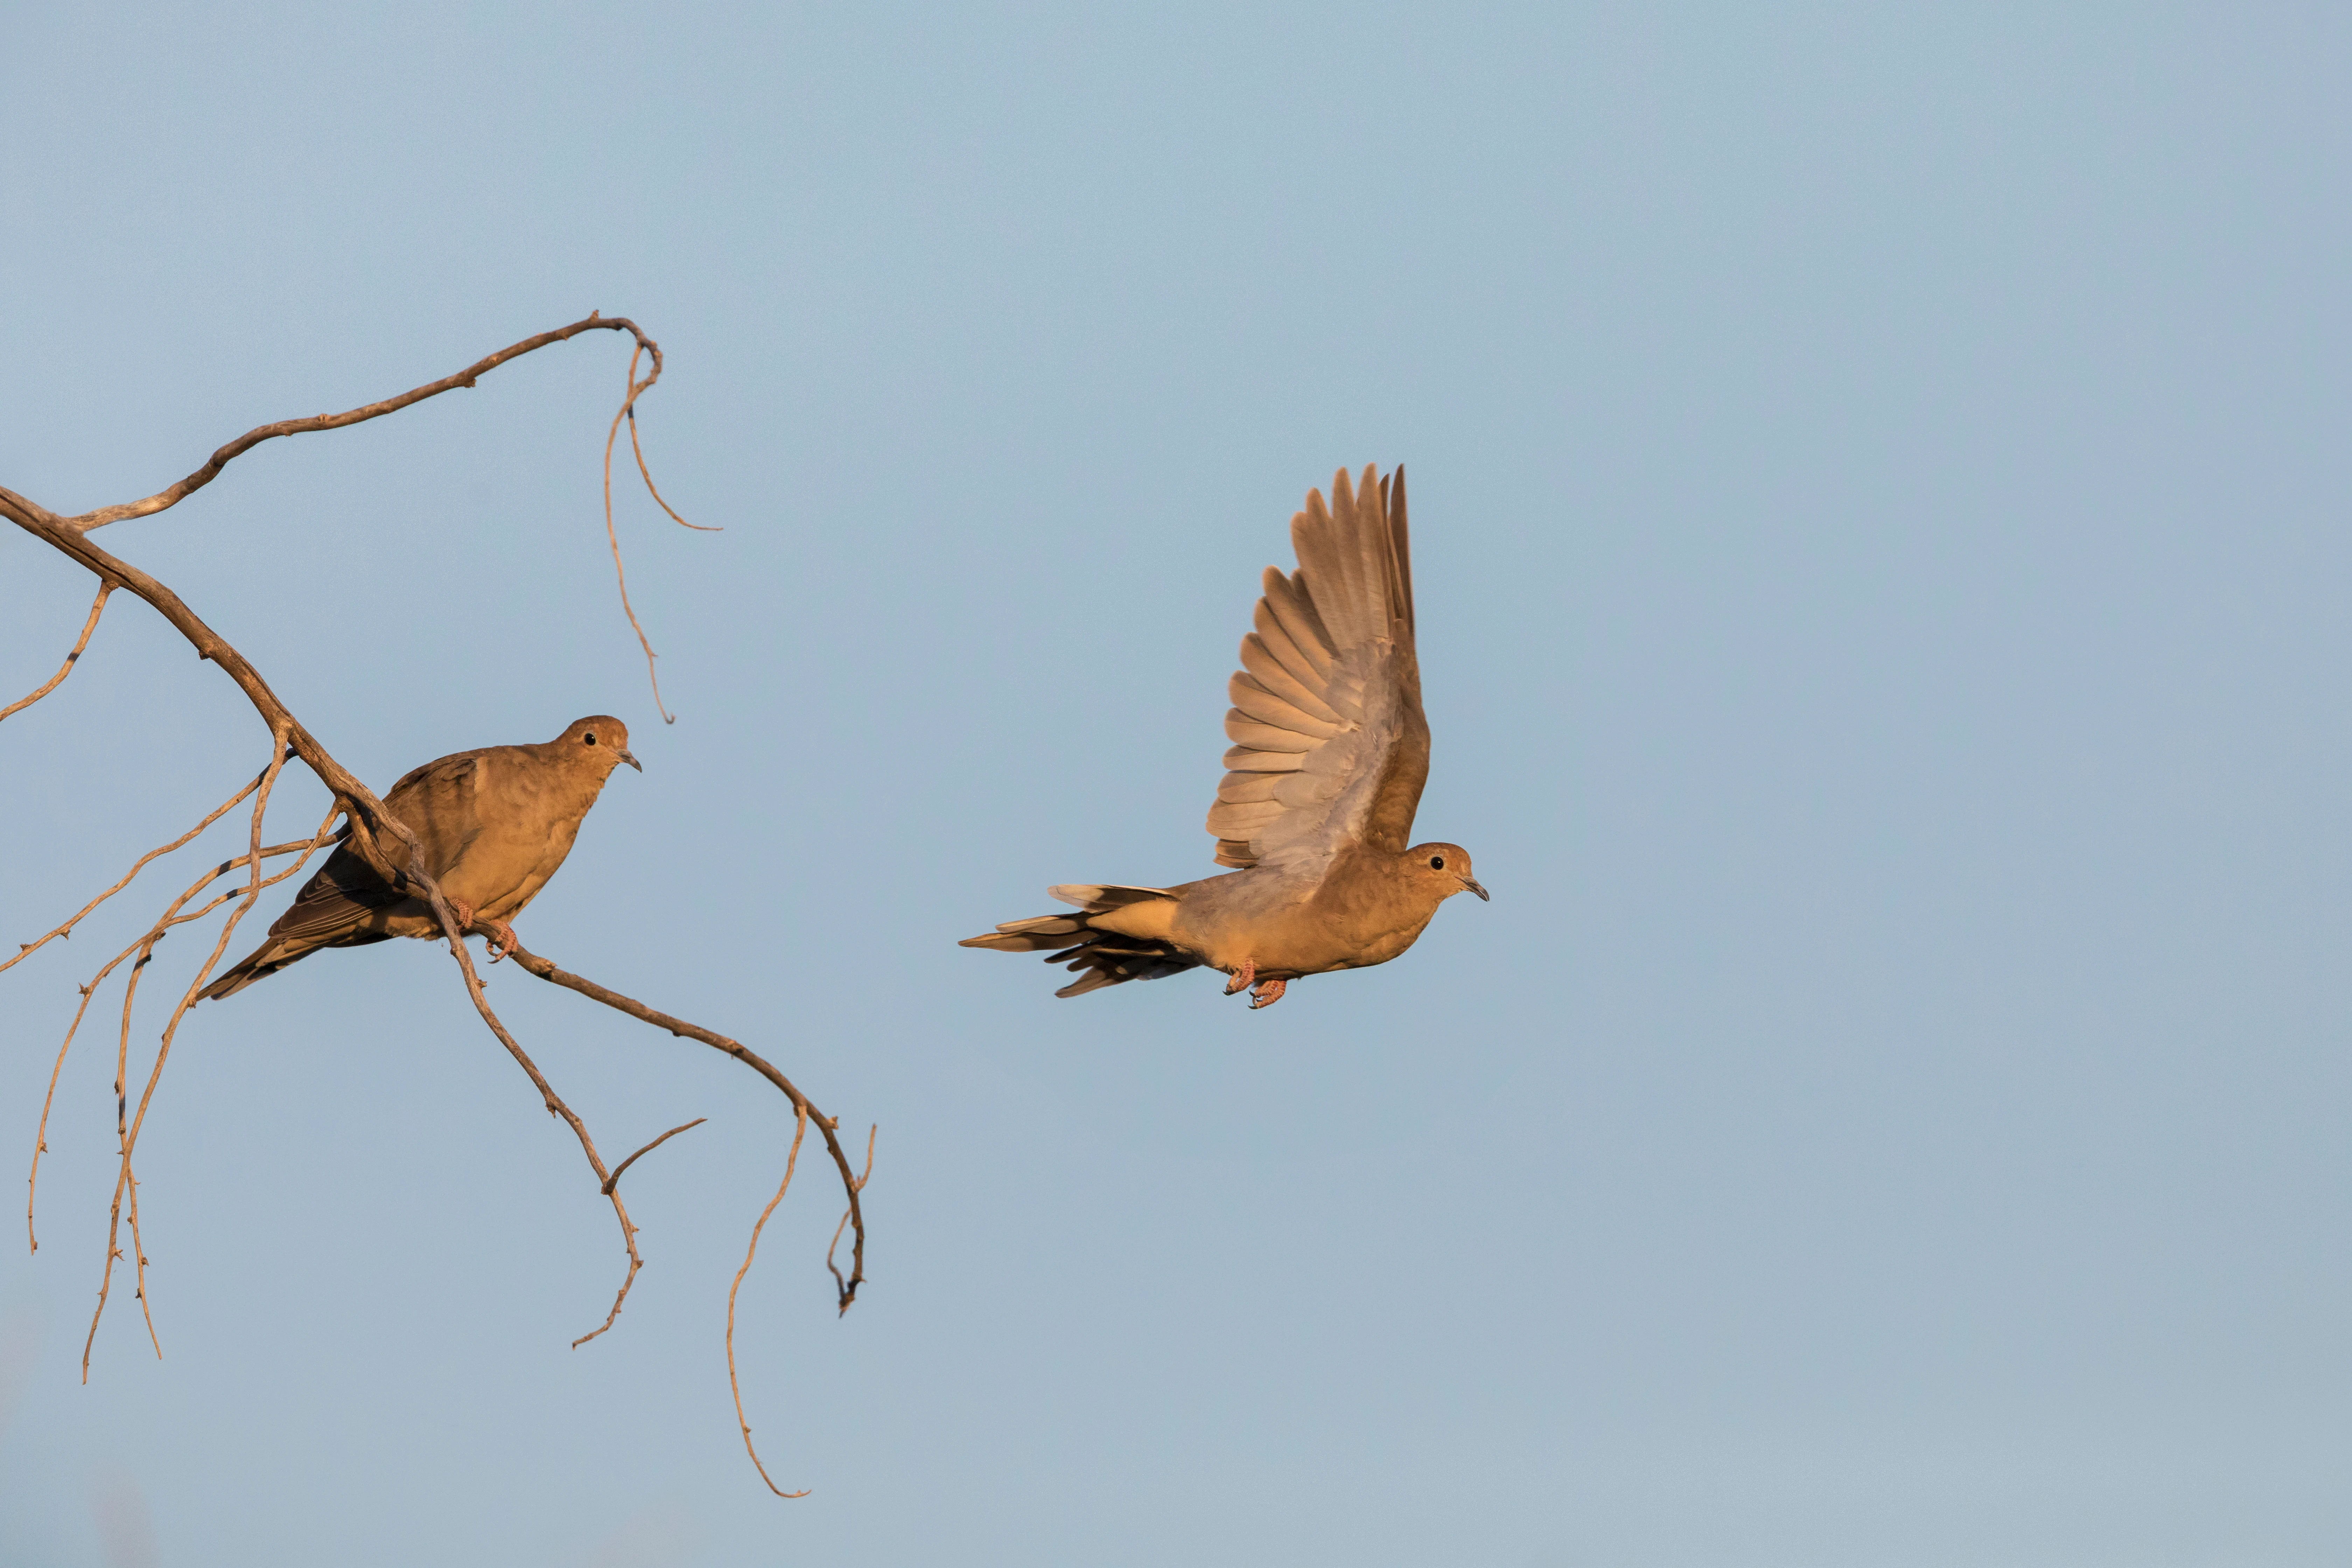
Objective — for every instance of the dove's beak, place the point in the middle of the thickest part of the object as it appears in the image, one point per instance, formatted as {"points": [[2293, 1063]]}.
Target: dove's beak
{"points": [[1472, 884], [632, 761]]}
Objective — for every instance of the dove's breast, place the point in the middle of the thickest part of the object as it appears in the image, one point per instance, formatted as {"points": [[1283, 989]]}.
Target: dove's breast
{"points": [[524, 824]]}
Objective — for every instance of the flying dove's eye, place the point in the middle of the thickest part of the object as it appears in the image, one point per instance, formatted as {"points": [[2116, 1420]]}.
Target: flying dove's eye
{"points": [[1437, 862], [592, 737]]}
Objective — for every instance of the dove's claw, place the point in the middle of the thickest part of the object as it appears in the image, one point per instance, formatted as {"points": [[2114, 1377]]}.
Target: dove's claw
{"points": [[497, 936], [1243, 977], [1267, 994], [500, 941]]}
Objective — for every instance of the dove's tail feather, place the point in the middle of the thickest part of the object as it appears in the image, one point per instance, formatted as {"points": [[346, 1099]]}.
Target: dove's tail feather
{"points": [[1099, 956], [274, 955]]}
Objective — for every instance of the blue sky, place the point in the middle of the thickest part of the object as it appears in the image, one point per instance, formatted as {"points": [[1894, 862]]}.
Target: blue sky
{"points": [[1879, 490]]}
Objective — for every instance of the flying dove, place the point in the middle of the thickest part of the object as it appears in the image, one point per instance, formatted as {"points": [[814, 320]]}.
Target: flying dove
{"points": [[493, 825], [1330, 756]]}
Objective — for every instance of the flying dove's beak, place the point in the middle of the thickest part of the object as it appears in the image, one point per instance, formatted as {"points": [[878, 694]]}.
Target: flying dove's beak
{"points": [[632, 761], [1472, 884]]}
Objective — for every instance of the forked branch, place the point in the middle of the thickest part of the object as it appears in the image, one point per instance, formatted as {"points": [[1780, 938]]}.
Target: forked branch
{"points": [[827, 1127]]}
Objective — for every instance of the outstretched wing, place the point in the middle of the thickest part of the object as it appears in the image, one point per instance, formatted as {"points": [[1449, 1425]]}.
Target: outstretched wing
{"points": [[1329, 745]]}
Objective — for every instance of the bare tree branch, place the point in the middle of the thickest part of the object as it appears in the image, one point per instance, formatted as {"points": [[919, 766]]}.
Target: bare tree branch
{"points": [[98, 607], [165, 498], [826, 1126], [386, 845], [171, 917]]}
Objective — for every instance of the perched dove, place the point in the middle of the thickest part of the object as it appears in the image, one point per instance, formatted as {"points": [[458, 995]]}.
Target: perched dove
{"points": [[494, 825], [1330, 754]]}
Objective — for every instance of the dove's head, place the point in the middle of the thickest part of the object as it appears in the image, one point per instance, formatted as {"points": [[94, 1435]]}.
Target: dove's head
{"points": [[601, 743], [1444, 868]]}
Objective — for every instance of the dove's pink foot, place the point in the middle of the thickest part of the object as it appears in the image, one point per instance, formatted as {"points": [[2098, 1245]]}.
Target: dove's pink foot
{"points": [[497, 936], [500, 940], [1244, 978], [1267, 994]]}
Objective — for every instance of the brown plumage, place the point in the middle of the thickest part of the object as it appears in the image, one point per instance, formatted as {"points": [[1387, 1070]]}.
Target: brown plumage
{"points": [[1330, 756], [493, 825]]}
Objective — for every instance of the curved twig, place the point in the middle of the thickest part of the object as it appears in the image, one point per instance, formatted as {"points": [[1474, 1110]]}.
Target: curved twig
{"points": [[614, 1179], [165, 498], [858, 1186], [800, 1128], [99, 606], [651, 489], [621, 573]]}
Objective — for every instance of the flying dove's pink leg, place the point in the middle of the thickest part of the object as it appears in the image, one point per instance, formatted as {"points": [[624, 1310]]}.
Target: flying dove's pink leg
{"points": [[1243, 976], [1267, 994]]}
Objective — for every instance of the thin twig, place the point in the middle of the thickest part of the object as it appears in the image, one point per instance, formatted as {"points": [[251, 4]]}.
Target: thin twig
{"points": [[650, 488], [620, 572], [614, 1179], [858, 1187], [104, 588], [139, 1251], [800, 1128], [26, 949], [171, 917], [129, 1138], [373, 835]]}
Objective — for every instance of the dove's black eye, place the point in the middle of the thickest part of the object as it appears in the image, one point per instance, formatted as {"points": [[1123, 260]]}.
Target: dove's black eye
{"points": [[592, 737], [1437, 862]]}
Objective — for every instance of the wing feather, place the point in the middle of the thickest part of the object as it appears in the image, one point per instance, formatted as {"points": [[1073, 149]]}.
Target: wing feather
{"points": [[1331, 744], [1279, 643], [1287, 600], [1276, 680], [1254, 700], [1249, 760]]}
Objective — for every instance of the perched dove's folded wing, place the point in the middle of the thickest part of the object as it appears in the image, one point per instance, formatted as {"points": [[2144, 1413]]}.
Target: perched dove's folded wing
{"points": [[492, 825], [1329, 743]]}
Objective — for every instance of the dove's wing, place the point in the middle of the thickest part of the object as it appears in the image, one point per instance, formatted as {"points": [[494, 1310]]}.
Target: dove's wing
{"points": [[431, 803], [1330, 747], [440, 803]]}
